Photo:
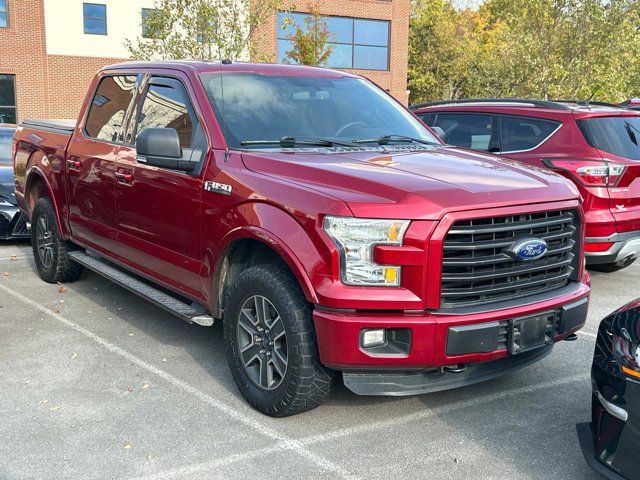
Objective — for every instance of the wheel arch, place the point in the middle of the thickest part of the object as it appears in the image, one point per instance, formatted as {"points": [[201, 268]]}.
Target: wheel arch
{"points": [[37, 187]]}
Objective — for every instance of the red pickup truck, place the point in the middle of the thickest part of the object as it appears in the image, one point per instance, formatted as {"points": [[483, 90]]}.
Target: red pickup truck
{"points": [[328, 228]]}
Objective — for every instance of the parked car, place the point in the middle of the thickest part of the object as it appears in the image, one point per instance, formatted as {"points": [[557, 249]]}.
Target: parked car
{"points": [[632, 104], [611, 441], [13, 223], [597, 146], [327, 227]]}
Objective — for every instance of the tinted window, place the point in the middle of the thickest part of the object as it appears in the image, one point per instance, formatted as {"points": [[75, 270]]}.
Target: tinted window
{"points": [[524, 133], [617, 135], [355, 43], [167, 107], [95, 18], [7, 99], [109, 107], [269, 107], [6, 136], [467, 130], [4, 16]]}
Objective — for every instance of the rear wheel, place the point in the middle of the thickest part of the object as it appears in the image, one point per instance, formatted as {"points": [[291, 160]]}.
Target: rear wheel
{"points": [[49, 250], [271, 344], [612, 267]]}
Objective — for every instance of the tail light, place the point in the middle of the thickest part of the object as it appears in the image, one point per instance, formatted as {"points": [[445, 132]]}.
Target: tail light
{"points": [[591, 173]]}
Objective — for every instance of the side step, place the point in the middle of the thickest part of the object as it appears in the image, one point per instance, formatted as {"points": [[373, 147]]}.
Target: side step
{"points": [[182, 310]]}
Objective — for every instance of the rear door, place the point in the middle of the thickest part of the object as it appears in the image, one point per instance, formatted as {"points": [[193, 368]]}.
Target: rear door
{"points": [[91, 162], [159, 209]]}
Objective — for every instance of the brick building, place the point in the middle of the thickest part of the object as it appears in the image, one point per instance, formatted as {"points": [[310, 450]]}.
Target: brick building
{"points": [[50, 49]]}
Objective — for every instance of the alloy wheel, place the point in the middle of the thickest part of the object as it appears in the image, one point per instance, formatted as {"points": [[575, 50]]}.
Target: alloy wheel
{"points": [[44, 241], [262, 342]]}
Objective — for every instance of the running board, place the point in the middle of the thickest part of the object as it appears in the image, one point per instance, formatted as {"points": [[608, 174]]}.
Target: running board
{"points": [[182, 310]]}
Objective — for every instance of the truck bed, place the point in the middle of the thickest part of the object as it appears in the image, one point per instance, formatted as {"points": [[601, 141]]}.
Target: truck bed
{"points": [[64, 126]]}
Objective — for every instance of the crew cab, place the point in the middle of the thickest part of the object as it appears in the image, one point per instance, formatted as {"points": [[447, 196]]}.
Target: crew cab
{"points": [[596, 145], [327, 227]]}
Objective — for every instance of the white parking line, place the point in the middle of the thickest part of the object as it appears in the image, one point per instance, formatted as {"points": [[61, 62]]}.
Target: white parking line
{"points": [[423, 414], [236, 413]]}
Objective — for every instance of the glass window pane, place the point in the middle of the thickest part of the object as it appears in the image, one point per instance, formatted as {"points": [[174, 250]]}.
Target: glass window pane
{"points": [[109, 107], [6, 138], [7, 115], [95, 11], [166, 107], [284, 46], [371, 58], [371, 32], [295, 19], [3, 20], [95, 27], [3, 5], [524, 133], [341, 29], [466, 130], [617, 135], [7, 90], [341, 56]]}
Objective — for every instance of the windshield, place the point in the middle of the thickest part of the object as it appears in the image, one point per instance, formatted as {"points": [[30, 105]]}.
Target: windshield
{"points": [[268, 108], [6, 136], [617, 135]]}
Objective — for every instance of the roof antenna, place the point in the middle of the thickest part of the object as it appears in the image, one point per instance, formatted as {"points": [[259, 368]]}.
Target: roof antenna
{"points": [[585, 103]]}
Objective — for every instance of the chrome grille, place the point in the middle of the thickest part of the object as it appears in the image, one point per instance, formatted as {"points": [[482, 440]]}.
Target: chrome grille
{"points": [[477, 270]]}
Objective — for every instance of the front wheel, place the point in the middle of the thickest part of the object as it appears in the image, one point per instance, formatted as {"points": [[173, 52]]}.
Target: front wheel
{"points": [[49, 249], [271, 344]]}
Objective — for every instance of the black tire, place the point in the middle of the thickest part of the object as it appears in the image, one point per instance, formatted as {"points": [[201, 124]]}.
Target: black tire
{"points": [[49, 250], [611, 267], [306, 383]]}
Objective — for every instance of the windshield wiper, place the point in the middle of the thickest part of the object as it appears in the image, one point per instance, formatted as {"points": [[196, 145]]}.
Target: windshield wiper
{"points": [[385, 139], [291, 142], [632, 136]]}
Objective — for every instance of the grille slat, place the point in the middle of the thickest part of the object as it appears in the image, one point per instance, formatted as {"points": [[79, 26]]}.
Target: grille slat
{"points": [[477, 269]]}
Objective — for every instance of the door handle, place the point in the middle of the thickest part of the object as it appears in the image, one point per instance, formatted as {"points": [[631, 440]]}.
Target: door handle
{"points": [[74, 164], [124, 177]]}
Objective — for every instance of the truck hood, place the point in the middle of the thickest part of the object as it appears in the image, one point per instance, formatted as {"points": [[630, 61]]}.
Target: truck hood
{"points": [[415, 185]]}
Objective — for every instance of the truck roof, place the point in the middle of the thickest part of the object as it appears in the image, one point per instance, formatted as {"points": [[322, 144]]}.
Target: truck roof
{"points": [[247, 67]]}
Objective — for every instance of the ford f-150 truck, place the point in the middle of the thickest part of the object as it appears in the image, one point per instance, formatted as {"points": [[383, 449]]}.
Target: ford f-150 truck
{"points": [[322, 222]]}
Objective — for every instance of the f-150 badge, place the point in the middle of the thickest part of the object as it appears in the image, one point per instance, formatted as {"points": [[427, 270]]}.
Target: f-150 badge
{"points": [[216, 187]]}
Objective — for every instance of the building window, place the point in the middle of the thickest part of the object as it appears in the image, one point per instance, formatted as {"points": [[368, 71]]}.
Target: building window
{"points": [[146, 31], [4, 15], [356, 42], [95, 18], [8, 99]]}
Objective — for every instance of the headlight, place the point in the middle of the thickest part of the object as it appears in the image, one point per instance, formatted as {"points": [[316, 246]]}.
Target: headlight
{"points": [[627, 354], [355, 238]]}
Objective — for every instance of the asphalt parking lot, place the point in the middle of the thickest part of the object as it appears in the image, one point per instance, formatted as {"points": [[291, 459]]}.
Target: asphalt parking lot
{"points": [[99, 384]]}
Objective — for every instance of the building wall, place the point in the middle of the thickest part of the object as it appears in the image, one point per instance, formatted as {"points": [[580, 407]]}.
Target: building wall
{"points": [[396, 11], [54, 61], [65, 28]]}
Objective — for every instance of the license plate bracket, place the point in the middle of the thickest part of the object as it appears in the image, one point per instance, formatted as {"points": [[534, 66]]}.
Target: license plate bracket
{"points": [[531, 332]]}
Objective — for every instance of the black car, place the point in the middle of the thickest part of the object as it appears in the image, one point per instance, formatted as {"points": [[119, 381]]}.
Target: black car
{"points": [[611, 442], [13, 223]]}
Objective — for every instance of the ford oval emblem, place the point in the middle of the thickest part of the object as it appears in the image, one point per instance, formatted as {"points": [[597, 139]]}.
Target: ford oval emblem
{"points": [[528, 249]]}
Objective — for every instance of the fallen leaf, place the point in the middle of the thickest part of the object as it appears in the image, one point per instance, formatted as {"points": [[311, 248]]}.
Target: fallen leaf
{"points": [[61, 301], [57, 311], [149, 458], [55, 407], [13, 258], [43, 401], [164, 359], [131, 334], [127, 446], [61, 289], [6, 274], [26, 382], [129, 389], [75, 355], [145, 386]]}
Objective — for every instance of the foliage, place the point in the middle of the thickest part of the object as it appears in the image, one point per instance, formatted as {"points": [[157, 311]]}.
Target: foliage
{"points": [[310, 43], [525, 48], [202, 29]]}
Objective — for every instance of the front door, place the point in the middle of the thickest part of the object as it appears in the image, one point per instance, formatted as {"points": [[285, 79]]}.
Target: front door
{"points": [[91, 163], [159, 210]]}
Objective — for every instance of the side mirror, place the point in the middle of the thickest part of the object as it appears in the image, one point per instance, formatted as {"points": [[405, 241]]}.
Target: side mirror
{"points": [[439, 131], [160, 147]]}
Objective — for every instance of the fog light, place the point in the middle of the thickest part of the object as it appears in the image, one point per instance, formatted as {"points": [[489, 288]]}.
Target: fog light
{"points": [[373, 338]]}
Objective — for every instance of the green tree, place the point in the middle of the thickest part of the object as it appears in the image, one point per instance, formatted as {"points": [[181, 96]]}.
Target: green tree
{"points": [[202, 29], [310, 43]]}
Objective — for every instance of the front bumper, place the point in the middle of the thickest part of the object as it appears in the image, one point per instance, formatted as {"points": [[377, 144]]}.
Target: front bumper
{"points": [[13, 223], [612, 440], [436, 339], [626, 246]]}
